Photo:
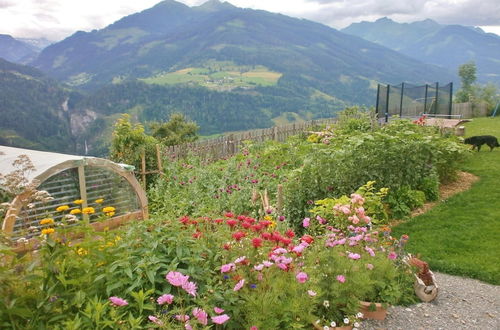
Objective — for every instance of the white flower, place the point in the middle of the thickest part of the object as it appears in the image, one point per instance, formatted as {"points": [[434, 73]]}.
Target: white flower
{"points": [[356, 324], [326, 303], [359, 315], [326, 327], [346, 320], [333, 324], [22, 240], [317, 321]]}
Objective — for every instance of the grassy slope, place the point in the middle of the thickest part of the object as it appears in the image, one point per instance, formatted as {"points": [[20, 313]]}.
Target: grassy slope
{"points": [[461, 236]]}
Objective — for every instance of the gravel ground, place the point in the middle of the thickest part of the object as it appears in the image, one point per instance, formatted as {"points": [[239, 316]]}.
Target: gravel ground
{"points": [[461, 303]]}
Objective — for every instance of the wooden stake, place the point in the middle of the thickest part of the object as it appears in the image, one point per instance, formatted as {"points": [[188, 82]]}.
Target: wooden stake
{"points": [[143, 172]]}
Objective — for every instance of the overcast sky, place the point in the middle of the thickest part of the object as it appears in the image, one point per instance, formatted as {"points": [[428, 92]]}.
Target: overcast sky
{"points": [[57, 19]]}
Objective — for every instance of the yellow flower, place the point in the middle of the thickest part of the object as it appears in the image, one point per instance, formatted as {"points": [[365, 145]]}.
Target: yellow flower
{"points": [[82, 252], [117, 238], [272, 225], [99, 201], [78, 201], [88, 210], [268, 218], [47, 231], [62, 208], [108, 209], [110, 214], [75, 211], [47, 221]]}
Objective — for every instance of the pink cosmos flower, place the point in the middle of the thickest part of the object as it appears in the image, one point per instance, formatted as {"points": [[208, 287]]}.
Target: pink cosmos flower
{"points": [[165, 299], [392, 255], [353, 256], [220, 319], [341, 278], [306, 222], [267, 263], [282, 266], [240, 259], [239, 285], [369, 266], [302, 277], [258, 267], [182, 318], [311, 293], [117, 301], [218, 310], [370, 251], [188, 326], [299, 248], [320, 220], [253, 328], [176, 278], [155, 320], [354, 219], [190, 288], [227, 268], [280, 251], [201, 315]]}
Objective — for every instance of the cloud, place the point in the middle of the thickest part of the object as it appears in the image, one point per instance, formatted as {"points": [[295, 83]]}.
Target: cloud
{"points": [[7, 3], [339, 13]]}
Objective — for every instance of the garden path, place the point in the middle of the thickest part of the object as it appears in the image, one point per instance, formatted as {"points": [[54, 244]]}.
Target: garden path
{"points": [[462, 303]]}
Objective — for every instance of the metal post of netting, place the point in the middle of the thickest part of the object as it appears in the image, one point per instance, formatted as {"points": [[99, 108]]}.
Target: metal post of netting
{"points": [[401, 102], [387, 104], [437, 99], [425, 98], [450, 108], [378, 99]]}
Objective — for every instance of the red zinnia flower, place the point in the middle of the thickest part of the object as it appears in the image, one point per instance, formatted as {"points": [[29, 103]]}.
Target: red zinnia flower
{"points": [[239, 235], [290, 233], [184, 219], [231, 223], [257, 242], [307, 238], [285, 240], [246, 225], [197, 234], [267, 236], [226, 246], [229, 215], [256, 228]]}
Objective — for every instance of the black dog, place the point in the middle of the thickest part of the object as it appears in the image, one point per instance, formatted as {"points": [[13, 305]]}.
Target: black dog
{"points": [[478, 141]]}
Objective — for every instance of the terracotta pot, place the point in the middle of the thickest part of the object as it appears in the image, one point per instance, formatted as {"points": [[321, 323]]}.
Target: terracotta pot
{"points": [[378, 314]]}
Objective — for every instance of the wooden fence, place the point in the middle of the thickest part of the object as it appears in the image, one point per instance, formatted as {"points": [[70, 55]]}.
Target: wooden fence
{"points": [[469, 110], [229, 145]]}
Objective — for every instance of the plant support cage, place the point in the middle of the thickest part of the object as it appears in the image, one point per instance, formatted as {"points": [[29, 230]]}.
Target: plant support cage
{"points": [[407, 100], [68, 178]]}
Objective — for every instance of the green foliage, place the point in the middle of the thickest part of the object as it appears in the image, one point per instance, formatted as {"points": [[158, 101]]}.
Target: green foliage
{"points": [[396, 155], [355, 119], [130, 142], [460, 235], [176, 131], [467, 73]]}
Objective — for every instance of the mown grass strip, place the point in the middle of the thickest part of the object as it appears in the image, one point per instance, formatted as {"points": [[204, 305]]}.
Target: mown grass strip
{"points": [[461, 236]]}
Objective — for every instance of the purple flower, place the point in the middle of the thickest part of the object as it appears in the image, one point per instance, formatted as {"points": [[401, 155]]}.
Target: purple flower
{"points": [[392, 255], [341, 278], [218, 310], [165, 299], [116, 301], [306, 222], [227, 268], [311, 293], [176, 278], [220, 319]]}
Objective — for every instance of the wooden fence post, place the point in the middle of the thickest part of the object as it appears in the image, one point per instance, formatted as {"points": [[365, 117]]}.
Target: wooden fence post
{"points": [[158, 159], [143, 165]]}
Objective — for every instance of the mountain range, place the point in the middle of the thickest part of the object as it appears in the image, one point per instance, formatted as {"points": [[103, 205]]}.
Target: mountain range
{"points": [[225, 67], [448, 46]]}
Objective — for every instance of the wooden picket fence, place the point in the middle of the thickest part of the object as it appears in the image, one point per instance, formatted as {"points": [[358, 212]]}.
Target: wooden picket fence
{"points": [[230, 144]]}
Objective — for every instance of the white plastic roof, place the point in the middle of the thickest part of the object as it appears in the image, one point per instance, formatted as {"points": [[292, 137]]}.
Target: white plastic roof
{"points": [[42, 160]]}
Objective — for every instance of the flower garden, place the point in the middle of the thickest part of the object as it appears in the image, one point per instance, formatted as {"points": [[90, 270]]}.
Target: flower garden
{"points": [[281, 236]]}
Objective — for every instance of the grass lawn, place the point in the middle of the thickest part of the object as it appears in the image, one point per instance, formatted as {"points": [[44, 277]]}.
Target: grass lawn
{"points": [[461, 236]]}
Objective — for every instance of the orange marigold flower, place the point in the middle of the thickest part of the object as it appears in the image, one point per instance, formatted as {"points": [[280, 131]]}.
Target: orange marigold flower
{"points": [[108, 209], [88, 210], [47, 221], [48, 231], [78, 201], [62, 208], [75, 211], [99, 201]]}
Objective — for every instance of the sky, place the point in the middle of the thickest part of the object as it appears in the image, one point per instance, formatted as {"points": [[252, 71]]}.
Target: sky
{"points": [[58, 19]]}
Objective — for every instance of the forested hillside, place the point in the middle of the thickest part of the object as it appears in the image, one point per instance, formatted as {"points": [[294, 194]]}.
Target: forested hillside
{"points": [[33, 110]]}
